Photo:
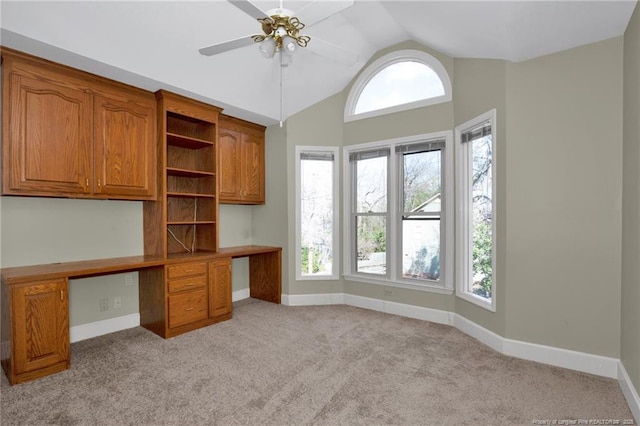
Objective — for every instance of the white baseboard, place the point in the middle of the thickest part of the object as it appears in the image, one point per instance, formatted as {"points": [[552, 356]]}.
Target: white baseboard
{"points": [[629, 391], [313, 299], [240, 295], [98, 328], [410, 311], [579, 361]]}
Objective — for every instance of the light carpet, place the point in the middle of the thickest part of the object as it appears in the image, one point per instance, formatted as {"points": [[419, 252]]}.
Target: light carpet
{"points": [[316, 365]]}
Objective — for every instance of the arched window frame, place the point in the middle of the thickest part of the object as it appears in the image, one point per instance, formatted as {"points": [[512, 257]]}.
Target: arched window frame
{"points": [[381, 63]]}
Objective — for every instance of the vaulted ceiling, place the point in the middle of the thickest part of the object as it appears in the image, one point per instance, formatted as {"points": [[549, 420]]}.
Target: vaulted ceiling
{"points": [[155, 44]]}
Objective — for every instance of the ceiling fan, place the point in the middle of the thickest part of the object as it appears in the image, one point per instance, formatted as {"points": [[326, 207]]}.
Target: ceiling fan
{"points": [[282, 31]]}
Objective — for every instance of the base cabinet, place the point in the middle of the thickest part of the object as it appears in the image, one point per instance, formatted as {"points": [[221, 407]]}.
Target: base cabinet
{"points": [[35, 342], [195, 294], [220, 303]]}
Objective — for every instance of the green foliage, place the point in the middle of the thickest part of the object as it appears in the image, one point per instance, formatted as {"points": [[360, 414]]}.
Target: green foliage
{"points": [[305, 259], [482, 259]]}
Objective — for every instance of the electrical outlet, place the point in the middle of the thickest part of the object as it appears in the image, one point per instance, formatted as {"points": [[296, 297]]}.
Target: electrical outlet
{"points": [[388, 292], [117, 302], [104, 305], [128, 280]]}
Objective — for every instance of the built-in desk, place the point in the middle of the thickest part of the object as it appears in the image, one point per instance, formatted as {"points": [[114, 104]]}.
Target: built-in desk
{"points": [[177, 294]]}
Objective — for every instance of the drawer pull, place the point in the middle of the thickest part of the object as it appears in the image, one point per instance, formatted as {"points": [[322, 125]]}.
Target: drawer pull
{"points": [[189, 308]]}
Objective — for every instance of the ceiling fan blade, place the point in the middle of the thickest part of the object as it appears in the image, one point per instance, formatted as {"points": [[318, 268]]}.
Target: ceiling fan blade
{"points": [[225, 46], [249, 8], [318, 11], [332, 51]]}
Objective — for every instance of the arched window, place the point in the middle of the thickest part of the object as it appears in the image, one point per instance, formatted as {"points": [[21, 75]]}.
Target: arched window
{"points": [[401, 80]]}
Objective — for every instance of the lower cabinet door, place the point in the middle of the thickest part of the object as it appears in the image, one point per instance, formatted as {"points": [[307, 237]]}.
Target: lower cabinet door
{"points": [[220, 288], [41, 314], [187, 307]]}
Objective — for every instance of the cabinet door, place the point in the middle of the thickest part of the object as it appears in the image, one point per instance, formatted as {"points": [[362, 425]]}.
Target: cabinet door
{"points": [[230, 156], [252, 168], [41, 325], [220, 287], [49, 138], [125, 165]]}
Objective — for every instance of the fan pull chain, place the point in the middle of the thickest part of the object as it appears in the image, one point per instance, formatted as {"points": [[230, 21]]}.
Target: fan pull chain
{"points": [[281, 90]]}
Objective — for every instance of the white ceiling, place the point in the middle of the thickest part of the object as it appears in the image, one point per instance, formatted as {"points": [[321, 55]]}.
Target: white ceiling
{"points": [[155, 44]]}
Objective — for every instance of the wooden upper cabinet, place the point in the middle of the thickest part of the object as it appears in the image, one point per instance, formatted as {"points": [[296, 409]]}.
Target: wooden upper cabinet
{"points": [[71, 134], [242, 161], [124, 153], [47, 141], [230, 147]]}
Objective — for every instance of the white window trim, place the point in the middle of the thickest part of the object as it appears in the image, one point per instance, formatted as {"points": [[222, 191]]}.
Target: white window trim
{"points": [[378, 65], [392, 278], [463, 218], [335, 267]]}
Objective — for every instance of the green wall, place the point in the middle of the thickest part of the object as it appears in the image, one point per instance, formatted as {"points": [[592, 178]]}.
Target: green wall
{"points": [[630, 317]]}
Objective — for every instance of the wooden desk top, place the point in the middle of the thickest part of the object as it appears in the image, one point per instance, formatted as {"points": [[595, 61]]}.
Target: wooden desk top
{"points": [[87, 268]]}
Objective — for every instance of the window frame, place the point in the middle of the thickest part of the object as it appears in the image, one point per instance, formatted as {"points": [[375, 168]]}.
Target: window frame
{"points": [[393, 277], [406, 55], [335, 266], [464, 238]]}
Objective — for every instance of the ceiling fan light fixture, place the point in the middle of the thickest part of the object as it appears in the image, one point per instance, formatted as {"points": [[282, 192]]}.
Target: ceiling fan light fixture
{"points": [[289, 44], [267, 48]]}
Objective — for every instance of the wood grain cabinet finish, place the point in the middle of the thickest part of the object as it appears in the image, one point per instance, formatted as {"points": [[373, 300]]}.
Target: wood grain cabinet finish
{"points": [[71, 134], [220, 301], [37, 341], [196, 294], [242, 161]]}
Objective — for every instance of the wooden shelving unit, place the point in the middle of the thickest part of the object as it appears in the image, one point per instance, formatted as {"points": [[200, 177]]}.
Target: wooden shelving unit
{"points": [[186, 217]]}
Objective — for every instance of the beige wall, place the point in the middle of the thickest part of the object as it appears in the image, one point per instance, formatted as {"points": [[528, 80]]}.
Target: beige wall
{"points": [[559, 189], [45, 230], [318, 125], [270, 221], [564, 181], [480, 86], [630, 318]]}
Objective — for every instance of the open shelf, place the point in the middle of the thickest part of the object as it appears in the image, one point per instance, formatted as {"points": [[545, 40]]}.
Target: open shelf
{"points": [[188, 206], [199, 236], [191, 185], [174, 139], [186, 128], [183, 210], [173, 171], [200, 160]]}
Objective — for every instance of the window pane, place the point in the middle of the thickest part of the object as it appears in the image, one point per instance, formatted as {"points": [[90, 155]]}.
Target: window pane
{"points": [[316, 217], [422, 181], [482, 217], [397, 84], [421, 249], [371, 185], [371, 244]]}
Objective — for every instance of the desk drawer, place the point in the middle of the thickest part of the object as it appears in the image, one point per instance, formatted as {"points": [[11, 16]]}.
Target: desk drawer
{"points": [[185, 308], [186, 269], [187, 283]]}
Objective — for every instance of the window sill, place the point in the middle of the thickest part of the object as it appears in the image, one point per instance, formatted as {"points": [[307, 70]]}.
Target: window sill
{"points": [[399, 284], [489, 305]]}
